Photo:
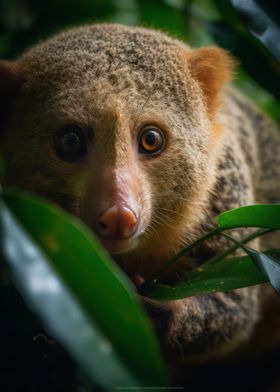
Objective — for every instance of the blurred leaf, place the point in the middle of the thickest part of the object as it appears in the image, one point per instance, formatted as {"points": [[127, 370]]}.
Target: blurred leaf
{"points": [[258, 94], [62, 316], [209, 22], [126, 12], [262, 215], [205, 8], [271, 7], [195, 15], [263, 69], [15, 15], [159, 14], [260, 23], [257, 60], [98, 285]]}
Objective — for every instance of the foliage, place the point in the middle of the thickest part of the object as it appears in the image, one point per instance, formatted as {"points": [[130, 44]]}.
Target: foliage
{"points": [[252, 41], [221, 273], [81, 298], [50, 254]]}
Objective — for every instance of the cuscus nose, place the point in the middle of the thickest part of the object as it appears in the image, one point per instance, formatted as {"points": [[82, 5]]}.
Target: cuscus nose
{"points": [[117, 222]]}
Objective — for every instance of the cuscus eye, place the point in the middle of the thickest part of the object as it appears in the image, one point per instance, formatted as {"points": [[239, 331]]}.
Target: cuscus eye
{"points": [[71, 143], [151, 140]]}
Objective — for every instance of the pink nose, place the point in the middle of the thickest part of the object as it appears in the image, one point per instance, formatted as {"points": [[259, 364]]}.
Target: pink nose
{"points": [[118, 222]]}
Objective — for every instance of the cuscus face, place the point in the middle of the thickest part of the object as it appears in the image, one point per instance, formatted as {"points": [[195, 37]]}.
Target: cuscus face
{"points": [[117, 125]]}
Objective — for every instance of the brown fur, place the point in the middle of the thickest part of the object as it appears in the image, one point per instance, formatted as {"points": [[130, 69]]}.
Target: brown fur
{"points": [[212, 67], [111, 80]]}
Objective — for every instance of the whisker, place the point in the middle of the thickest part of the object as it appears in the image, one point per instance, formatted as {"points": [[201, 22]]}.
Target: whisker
{"points": [[151, 229], [161, 218]]}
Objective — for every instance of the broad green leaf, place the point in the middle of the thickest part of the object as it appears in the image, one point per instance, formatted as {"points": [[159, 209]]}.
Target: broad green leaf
{"points": [[224, 275], [97, 283], [269, 264], [262, 215], [63, 317]]}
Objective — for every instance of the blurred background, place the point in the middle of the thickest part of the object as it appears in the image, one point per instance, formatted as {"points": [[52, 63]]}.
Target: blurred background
{"points": [[248, 29]]}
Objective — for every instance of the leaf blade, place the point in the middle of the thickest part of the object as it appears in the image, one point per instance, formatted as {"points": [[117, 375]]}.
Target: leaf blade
{"points": [[50, 300], [225, 275], [269, 264], [260, 215], [101, 280]]}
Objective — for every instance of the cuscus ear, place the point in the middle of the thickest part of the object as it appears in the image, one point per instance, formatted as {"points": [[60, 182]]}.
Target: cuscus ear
{"points": [[212, 67], [10, 82]]}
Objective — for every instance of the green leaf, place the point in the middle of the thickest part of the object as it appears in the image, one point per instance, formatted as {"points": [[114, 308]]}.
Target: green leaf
{"points": [[98, 284], [55, 305], [262, 215], [269, 264], [228, 274], [224, 275]]}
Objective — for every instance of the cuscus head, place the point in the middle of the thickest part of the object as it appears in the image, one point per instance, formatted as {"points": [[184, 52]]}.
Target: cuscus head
{"points": [[118, 125]]}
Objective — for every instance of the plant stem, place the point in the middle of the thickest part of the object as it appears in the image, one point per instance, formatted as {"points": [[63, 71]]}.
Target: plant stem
{"points": [[175, 258], [214, 259], [230, 250], [237, 243]]}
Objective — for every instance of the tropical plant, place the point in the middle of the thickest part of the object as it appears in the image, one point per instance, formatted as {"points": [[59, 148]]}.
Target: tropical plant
{"points": [[75, 292]]}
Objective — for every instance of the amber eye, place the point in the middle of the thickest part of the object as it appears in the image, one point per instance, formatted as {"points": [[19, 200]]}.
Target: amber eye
{"points": [[71, 143], [151, 141]]}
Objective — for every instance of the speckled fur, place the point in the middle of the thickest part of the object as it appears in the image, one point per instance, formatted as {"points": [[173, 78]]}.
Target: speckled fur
{"points": [[111, 79]]}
